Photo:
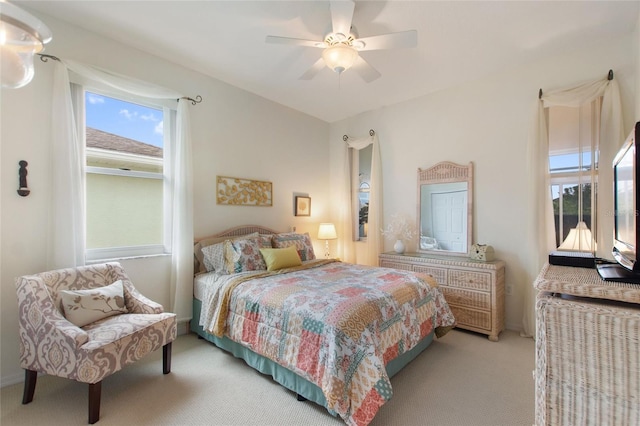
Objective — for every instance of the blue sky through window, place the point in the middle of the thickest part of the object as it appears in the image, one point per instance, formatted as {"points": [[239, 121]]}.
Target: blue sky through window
{"points": [[124, 119], [569, 162]]}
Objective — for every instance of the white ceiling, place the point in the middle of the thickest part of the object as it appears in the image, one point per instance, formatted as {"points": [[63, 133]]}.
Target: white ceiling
{"points": [[457, 42]]}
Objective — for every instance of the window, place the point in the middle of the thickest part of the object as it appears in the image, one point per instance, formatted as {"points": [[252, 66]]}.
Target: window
{"points": [[125, 176], [573, 168]]}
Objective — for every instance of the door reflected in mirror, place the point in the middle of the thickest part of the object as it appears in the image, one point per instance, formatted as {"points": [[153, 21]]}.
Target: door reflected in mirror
{"points": [[445, 206], [443, 224]]}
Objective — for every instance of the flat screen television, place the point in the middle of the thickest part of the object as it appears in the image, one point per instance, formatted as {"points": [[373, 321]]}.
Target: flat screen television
{"points": [[626, 228]]}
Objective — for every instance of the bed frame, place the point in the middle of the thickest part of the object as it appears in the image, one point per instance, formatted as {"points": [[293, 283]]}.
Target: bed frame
{"points": [[304, 389]]}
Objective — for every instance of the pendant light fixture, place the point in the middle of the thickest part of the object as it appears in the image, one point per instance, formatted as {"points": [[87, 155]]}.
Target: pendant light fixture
{"points": [[21, 37]]}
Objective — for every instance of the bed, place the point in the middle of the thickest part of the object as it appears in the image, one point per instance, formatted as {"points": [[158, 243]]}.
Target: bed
{"points": [[332, 332]]}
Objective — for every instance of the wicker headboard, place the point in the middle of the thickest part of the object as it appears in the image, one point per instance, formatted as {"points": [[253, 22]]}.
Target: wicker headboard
{"points": [[231, 232], [240, 230]]}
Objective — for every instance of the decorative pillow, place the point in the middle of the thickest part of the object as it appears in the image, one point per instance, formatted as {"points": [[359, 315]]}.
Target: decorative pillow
{"points": [[302, 242], [198, 250], [264, 241], [83, 307], [278, 258], [243, 255], [214, 258]]}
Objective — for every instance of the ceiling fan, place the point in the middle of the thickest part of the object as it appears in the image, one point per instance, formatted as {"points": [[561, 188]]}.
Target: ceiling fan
{"points": [[341, 47]]}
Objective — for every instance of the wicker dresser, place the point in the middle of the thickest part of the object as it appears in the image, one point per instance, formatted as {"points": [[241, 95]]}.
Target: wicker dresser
{"points": [[473, 289], [587, 349]]}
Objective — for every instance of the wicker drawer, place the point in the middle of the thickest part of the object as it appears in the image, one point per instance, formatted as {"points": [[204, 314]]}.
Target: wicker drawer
{"points": [[471, 280], [471, 318], [467, 298], [440, 274], [396, 265]]}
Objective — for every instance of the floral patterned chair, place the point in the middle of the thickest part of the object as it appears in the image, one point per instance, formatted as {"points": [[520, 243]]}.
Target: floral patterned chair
{"points": [[54, 339]]}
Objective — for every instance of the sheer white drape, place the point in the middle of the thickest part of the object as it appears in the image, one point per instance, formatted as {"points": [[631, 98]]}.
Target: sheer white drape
{"points": [[346, 246], [121, 82], [182, 215], [540, 229], [67, 239]]}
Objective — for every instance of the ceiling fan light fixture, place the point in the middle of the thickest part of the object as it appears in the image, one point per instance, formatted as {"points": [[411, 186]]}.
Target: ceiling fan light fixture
{"points": [[21, 36], [339, 57]]}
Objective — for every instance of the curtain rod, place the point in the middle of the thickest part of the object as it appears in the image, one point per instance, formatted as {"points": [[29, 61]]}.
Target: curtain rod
{"points": [[197, 100], [371, 133], [45, 58], [609, 77]]}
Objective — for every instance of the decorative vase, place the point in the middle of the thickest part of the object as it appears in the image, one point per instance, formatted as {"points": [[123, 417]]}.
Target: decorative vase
{"points": [[399, 246]]}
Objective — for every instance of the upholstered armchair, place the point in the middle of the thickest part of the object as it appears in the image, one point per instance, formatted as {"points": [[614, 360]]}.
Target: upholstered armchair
{"points": [[53, 307]]}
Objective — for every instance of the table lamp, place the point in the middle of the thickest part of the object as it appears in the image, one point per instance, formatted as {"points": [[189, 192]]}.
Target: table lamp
{"points": [[326, 232]]}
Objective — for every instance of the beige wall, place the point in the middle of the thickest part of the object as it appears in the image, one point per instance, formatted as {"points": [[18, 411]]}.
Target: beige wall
{"points": [[485, 121], [234, 133]]}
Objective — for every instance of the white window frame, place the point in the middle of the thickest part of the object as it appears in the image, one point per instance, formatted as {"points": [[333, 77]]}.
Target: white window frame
{"points": [[573, 178], [169, 116]]}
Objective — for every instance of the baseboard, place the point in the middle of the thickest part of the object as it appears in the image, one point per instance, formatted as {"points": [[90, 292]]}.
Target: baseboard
{"points": [[513, 327], [12, 379], [183, 327]]}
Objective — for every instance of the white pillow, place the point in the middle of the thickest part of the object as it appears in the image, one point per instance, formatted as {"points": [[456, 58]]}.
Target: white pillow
{"points": [[82, 307]]}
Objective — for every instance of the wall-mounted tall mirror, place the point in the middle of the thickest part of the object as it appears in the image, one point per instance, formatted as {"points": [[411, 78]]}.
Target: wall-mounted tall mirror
{"points": [[445, 209]]}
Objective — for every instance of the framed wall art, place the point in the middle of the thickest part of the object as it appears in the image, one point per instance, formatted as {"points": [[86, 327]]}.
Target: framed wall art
{"points": [[243, 192], [303, 206]]}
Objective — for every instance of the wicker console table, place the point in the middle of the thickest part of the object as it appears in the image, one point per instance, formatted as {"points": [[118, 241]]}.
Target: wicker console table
{"points": [[587, 349], [474, 290]]}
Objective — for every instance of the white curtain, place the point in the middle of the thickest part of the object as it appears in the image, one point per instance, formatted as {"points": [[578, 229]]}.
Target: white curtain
{"points": [[67, 239], [541, 227], [346, 225], [182, 217]]}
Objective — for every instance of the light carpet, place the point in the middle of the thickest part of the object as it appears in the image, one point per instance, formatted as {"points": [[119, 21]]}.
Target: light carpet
{"points": [[461, 379]]}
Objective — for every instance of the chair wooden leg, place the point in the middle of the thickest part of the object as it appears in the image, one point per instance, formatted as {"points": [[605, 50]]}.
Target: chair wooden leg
{"points": [[95, 390], [166, 358], [30, 378]]}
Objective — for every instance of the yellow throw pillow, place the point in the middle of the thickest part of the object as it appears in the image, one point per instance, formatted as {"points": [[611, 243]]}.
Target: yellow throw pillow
{"points": [[278, 258]]}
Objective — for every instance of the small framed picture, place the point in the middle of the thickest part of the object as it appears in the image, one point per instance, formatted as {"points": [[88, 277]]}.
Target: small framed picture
{"points": [[303, 206]]}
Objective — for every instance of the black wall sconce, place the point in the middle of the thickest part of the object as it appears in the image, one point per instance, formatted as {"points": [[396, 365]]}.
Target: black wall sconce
{"points": [[23, 190]]}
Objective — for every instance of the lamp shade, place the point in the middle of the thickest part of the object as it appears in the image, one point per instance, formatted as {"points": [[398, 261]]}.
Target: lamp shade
{"points": [[327, 231], [579, 239], [339, 57], [21, 36]]}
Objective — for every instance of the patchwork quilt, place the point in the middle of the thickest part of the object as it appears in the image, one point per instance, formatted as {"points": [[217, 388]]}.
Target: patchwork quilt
{"points": [[335, 324]]}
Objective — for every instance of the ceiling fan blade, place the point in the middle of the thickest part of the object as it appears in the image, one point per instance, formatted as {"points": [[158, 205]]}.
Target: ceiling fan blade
{"points": [[402, 39], [366, 71], [311, 72], [294, 41], [341, 16]]}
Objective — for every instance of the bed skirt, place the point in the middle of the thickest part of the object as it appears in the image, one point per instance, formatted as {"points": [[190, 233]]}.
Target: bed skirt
{"points": [[286, 377]]}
